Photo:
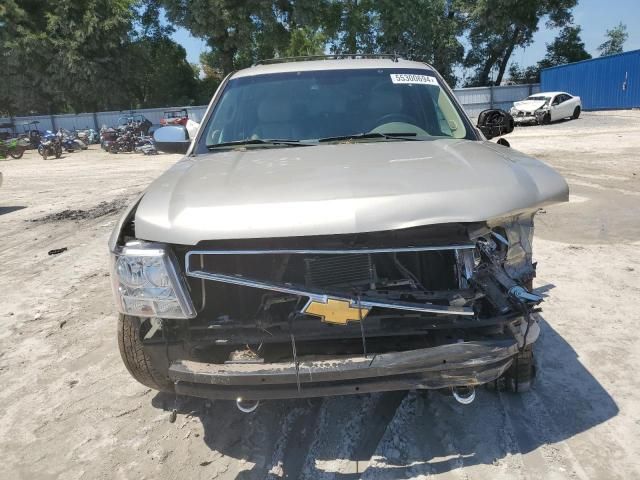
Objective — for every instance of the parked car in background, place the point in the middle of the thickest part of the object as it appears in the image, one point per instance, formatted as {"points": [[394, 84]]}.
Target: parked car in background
{"points": [[180, 117], [338, 226], [175, 117], [544, 108]]}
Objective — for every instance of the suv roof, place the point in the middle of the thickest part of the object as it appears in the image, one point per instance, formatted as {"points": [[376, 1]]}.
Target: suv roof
{"points": [[328, 63]]}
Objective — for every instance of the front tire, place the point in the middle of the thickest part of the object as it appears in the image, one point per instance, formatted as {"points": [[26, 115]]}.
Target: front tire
{"points": [[17, 153], [546, 119], [576, 113], [135, 358]]}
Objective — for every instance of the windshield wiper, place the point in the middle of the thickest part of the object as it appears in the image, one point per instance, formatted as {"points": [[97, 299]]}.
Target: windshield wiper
{"points": [[259, 141], [358, 136]]}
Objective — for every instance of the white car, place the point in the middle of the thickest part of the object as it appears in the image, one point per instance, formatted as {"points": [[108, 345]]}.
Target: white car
{"points": [[543, 108]]}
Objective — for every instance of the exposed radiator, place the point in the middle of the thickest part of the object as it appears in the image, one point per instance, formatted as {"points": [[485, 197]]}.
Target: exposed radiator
{"points": [[339, 270]]}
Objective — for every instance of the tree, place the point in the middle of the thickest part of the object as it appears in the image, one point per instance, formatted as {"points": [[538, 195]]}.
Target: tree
{"points": [[529, 74], [160, 75], [425, 30], [615, 40], [497, 27], [238, 33], [305, 41], [82, 50], [351, 22], [90, 56], [69, 59], [567, 47]]}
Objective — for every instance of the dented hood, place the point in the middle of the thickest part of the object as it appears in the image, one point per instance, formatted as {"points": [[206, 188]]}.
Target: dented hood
{"points": [[343, 188], [529, 106]]}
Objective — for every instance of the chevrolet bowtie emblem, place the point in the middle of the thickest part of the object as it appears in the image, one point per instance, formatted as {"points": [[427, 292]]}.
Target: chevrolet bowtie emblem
{"points": [[335, 311]]}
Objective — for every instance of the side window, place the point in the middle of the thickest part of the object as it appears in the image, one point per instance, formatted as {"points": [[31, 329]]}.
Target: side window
{"points": [[556, 100]]}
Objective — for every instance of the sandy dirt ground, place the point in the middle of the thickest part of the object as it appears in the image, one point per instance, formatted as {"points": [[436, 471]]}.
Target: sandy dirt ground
{"points": [[69, 409]]}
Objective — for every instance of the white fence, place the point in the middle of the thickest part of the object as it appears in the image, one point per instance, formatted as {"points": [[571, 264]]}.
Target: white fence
{"points": [[474, 100], [72, 121]]}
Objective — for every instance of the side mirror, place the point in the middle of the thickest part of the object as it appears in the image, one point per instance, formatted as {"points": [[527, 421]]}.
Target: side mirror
{"points": [[493, 123], [172, 139]]}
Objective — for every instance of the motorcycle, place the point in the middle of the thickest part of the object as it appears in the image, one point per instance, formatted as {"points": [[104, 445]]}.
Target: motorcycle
{"points": [[146, 145], [124, 142], [69, 141], [14, 147], [130, 141], [50, 145], [89, 136], [107, 137]]}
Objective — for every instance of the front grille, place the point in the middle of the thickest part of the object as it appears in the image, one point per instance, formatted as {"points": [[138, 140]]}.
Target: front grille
{"points": [[256, 288]]}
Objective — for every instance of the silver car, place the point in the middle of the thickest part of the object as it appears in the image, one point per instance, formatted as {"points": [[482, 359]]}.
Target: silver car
{"points": [[337, 226]]}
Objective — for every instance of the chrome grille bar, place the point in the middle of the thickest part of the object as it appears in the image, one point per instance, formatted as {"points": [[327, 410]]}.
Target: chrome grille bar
{"points": [[322, 297], [347, 251]]}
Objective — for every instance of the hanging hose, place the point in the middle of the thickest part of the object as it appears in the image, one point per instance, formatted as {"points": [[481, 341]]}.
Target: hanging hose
{"points": [[464, 395], [247, 406]]}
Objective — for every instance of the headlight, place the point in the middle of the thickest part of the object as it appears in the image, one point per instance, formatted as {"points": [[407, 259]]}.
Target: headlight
{"points": [[145, 283], [513, 110]]}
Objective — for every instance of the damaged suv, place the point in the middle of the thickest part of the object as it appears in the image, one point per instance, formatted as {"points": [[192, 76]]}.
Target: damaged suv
{"points": [[337, 226]]}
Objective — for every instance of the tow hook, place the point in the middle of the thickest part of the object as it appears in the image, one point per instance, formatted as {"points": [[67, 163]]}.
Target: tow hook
{"points": [[524, 295], [464, 395], [247, 406]]}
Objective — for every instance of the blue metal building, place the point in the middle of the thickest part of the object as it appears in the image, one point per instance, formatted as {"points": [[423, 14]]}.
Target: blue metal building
{"points": [[611, 82]]}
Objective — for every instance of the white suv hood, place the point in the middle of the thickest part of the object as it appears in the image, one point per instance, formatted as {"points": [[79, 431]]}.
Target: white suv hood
{"points": [[339, 189]]}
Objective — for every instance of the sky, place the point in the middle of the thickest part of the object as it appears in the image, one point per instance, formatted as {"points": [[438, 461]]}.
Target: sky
{"points": [[594, 16]]}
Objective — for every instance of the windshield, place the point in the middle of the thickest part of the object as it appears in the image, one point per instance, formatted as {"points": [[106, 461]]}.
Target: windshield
{"points": [[328, 105]]}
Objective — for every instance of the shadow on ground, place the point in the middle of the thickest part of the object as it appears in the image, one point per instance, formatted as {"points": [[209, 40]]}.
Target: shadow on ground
{"points": [[438, 435], [5, 210], [555, 122]]}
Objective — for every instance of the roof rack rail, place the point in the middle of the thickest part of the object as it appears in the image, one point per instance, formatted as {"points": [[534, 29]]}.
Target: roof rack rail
{"points": [[337, 56]]}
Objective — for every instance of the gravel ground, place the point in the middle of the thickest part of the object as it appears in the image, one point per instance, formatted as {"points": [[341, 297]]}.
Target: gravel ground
{"points": [[70, 409]]}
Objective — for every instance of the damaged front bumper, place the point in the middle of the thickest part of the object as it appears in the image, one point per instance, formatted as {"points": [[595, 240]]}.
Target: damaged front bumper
{"points": [[452, 365], [306, 322], [528, 117]]}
